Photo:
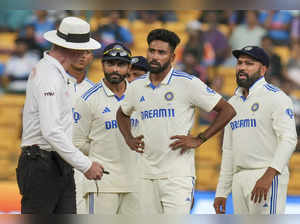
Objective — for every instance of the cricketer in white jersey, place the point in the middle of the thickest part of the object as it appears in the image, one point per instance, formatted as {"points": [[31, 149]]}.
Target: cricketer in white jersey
{"points": [[258, 142], [77, 69], [165, 111], [79, 90], [96, 129]]}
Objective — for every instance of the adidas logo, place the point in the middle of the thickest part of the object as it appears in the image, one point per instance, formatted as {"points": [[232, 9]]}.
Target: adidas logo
{"points": [[142, 99], [265, 205], [106, 110], [188, 199]]}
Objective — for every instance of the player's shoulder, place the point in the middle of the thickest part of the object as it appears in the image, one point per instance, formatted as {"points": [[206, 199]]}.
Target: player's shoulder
{"points": [[88, 82], [177, 74], [271, 89], [274, 93], [96, 88], [139, 81], [142, 78]]}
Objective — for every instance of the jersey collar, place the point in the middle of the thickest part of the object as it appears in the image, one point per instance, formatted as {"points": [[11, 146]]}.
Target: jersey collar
{"points": [[165, 81], [253, 89], [108, 92]]}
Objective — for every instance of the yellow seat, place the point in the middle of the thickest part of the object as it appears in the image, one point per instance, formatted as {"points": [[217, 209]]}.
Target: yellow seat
{"points": [[295, 161], [294, 183], [296, 93], [283, 52], [7, 42], [207, 178], [139, 26], [12, 99], [187, 15], [229, 78], [177, 27], [95, 74], [8, 169]]}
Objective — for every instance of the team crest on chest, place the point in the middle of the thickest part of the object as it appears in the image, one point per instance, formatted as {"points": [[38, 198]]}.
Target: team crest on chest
{"points": [[169, 96], [255, 107]]}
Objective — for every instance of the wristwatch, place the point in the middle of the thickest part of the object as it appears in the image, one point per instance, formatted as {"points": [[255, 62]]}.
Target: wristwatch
{"points": [[202, 137]]}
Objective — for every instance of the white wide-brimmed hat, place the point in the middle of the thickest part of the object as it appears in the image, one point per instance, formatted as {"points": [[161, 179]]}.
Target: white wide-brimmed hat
{"points": [[73, 33]]}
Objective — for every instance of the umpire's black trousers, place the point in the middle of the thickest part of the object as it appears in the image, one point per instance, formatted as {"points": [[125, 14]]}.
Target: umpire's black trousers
{"points": [[46, 183]]}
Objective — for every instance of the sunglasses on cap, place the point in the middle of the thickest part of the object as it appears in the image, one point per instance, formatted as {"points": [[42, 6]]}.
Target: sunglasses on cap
{"points": [[114, 51]]}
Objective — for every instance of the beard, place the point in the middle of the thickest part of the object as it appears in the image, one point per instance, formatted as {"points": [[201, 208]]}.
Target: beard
{"points": [[114, 80], [160, 68], [249, 81]]}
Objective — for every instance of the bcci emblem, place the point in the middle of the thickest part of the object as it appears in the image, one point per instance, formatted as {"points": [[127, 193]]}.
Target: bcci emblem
{"points": [[255, 107], [169, 96]]}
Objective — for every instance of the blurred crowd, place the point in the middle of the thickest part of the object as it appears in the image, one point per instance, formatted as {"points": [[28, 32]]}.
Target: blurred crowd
{"points": [[210, 38]]}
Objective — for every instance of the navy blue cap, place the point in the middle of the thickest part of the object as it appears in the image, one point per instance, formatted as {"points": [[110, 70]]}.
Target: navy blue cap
{"points": [[140, 62], [254, 52], [116, 51]]}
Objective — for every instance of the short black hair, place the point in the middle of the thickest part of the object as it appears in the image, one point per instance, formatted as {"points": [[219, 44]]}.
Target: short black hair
{"points": [[164, 35]]}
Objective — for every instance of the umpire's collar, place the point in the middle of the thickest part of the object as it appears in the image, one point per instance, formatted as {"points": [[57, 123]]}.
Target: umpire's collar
{"points": [[53, 61]]}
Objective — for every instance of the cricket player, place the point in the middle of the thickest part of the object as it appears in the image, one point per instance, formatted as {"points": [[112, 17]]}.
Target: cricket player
{"points": [[165, 100], [139, 67], [78, 70], [258, 142], [96, 129]]}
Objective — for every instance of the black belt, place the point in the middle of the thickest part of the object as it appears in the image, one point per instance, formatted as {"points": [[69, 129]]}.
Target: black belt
{"points": [[35, 152]]}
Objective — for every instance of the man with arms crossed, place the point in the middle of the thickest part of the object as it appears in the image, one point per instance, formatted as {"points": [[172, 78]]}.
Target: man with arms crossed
{"points": [[258, 142], [44, 173], [96, 129], [165, 99]]}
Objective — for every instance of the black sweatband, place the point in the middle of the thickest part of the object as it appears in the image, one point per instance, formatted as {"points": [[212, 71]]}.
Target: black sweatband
{"points": [[74, 38]]}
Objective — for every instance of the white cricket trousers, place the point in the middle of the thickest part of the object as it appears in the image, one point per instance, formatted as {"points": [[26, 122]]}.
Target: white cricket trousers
{"points": [[172, 195], [113, 203], [242, 185], [80, 201]]}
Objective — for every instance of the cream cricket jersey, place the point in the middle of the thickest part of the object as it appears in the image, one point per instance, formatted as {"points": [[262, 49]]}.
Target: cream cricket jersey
{"points": [[96, 125], [78, 89], [81, 88], [261, 135], [164, 111]]}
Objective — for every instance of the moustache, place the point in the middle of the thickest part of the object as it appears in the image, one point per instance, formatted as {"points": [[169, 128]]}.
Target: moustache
{"points": [[115, 73], [243, 73], [154, 63]]}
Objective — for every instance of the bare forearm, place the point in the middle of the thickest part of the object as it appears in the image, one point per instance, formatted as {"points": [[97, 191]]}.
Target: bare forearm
{"points": [[124, 124]]}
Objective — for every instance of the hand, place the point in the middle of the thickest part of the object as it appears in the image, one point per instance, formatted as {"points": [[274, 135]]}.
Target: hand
{"points": [[263, 185], [95, 172], [220, 205], [136, 143], [185, 142]]}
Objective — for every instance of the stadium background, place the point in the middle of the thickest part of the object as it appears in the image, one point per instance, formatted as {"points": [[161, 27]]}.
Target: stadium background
{"points": [[212, 66]]}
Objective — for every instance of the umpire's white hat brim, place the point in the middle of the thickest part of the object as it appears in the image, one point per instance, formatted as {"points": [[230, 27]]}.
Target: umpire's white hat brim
{"points": [[72, 25]]}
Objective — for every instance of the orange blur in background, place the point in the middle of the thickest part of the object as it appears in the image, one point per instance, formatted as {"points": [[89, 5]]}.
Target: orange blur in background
{"points": [[10, 199]]}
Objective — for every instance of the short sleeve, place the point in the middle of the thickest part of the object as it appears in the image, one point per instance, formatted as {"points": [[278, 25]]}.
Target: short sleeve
{"points": [[201, 95], [127, 105]]}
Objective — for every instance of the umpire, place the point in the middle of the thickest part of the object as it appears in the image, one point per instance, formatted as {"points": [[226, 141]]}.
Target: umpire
{"points": [[44, 173]]}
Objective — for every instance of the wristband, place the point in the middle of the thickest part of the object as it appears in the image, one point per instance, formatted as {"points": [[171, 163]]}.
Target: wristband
{"points": [[202, 137]]}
